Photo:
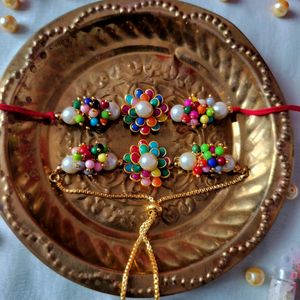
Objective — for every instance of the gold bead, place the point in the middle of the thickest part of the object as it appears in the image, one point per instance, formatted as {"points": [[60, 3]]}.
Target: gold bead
{"points": [[14, 4], [255, 276], [280, 8], [9, 23]]}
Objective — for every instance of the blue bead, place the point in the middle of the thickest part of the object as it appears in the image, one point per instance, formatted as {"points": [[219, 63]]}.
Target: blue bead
{"points": [[212, 162], [218, 169], [138, 92], [153, 144], [155, 151], [128, 168], [88, 172], [210, 101], [156, 127], [94, 122], [87, 101], [140, 121], [211, 120], [128, 99], [134, 127], [159, 97]]}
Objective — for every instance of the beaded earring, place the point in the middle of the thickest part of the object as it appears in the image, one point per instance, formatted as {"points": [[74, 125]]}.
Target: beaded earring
{"points": [[199, 112], [90, 113], [206, 158], [144, 111]]}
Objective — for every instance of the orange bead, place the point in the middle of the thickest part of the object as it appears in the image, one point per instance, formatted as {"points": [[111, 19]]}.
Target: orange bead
{"points": [[145, 97], [9, 23], [201, 109], [156, 182], [151, 122]]}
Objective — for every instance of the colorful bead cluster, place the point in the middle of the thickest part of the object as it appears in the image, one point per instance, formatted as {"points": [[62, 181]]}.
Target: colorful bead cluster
{"points": [[207, 158], [89, 159], [144, 111], [147, 163], [90, 112], [196, 112]]}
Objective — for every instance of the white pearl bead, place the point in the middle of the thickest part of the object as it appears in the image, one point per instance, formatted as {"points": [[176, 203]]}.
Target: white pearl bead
{"points": [[187, 161], [177, 112], [221, 110], [111, 162], [115, 111], [148, 161], [280, 8], [230, 163], [69, 165], [68, 115], [144, 109], [210, 101]]}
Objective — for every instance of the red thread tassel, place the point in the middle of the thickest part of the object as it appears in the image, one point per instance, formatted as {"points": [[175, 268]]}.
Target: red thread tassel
{"points": [[27, 112], [265, 111]]}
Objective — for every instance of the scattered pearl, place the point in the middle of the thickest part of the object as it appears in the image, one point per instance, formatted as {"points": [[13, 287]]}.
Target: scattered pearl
{"points": [[220, 110], [69, 165], [148, 161], [176, 112], [210, 101], [187, 161], [14, 4], [68, 115], [144, 109], [115, 111], [9, 23], [280, 8], [255, 276], [230, 163], [111, 162]]}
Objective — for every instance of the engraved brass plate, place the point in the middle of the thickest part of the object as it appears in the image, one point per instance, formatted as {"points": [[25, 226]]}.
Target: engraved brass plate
{"points": [[108, 49]]}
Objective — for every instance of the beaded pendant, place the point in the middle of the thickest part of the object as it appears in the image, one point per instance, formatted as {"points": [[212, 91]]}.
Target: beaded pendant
{"points": [[199, 112], [147, 163], [89, 159], [207, 158], [144, 111], [90, 113]]}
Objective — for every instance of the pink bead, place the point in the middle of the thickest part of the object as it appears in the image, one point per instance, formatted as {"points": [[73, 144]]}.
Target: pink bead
{"points": [[212, 149], [146, 181], [150, 93], [194, 114], [194, 122], [206, 169], [74, 150], [134, 101], [85, 108], [146, 174], [93, 113], [135, 176], [89, 164], [97, 167], [187, 102]]}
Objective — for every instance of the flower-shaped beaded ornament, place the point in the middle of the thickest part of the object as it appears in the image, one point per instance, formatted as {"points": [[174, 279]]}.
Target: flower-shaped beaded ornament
{"points": [[147, 163], [206, 158], [144, 111], [90, 112], [199, 112], [89, 159]]}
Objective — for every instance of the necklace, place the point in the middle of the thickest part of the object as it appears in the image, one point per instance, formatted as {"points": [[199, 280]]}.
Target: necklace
{"points": [[154, 209]]}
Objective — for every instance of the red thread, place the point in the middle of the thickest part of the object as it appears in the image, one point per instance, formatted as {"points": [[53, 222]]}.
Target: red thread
{"points": [[265, 111], [27, 112]]}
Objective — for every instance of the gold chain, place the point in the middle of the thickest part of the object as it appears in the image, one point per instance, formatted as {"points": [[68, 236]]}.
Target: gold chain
{"points": [[154, 209]]}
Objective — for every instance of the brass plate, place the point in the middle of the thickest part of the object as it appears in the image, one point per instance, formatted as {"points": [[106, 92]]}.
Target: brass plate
{"points": [[108, 49]]}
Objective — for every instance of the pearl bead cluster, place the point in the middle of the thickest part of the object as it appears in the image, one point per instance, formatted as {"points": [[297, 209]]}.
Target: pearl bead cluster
{"points": [[199, 112], [89, 159], [147, 163], [206, 158], [90, 112], [144, 111]]}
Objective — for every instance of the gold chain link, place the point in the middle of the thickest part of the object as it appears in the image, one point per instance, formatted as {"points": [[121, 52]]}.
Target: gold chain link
{"points": [[154, 209]]}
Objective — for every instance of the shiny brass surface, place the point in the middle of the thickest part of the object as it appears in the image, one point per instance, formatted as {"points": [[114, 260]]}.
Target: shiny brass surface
{"points": [[108, 49]]}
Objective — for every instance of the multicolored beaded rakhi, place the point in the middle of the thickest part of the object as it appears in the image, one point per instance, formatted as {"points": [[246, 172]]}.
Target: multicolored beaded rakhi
{"points": [[147, 163], [90, 113], [199, 112], [144, 111], [205, 159]]}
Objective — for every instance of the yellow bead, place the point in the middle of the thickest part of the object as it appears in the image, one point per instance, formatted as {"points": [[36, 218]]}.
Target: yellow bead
{"points": [[280, 8], [156, 173], [204, 119], [194, 99], [102, 157], [255, 276], [9, 23], [14, 4]]}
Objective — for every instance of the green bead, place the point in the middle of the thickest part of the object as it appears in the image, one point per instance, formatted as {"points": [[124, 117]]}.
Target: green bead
{"points": [[132, 112], [165, 173], [95, 150], [128, 119], [126, 158], [77, 156], [207, 155], [161, 163], [136, 168], [105, 148], [144, 149], [154, 102], [204, 147], [76, 104], [187, 109], [79, 118], [196, 148], [219, 150], [210, 112], [105, 114]]}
